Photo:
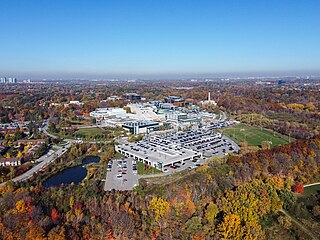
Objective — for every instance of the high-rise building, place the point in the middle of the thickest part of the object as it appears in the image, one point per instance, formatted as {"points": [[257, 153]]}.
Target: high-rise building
{"points": [[8, 80], [3, 80], [12, 80]]}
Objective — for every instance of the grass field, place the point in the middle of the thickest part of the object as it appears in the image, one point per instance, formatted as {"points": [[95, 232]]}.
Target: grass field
{"points": [[92, 133], [89, 132], [311, 190], [253, 135], [150, 170]]}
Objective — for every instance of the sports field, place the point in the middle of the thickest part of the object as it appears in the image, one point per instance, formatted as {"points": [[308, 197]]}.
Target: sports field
{"points": [[253, 135]]}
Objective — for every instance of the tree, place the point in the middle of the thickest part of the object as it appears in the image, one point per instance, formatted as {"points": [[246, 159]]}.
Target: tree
{"points": [[57, 234], [316, 211], [193, 225], [230, 228], [21, 206], [19, 155], [265, 144], [298, 188], [55, 215], [35, 233], [159, 206], [285, 221], [211, 212], [288, 198]]}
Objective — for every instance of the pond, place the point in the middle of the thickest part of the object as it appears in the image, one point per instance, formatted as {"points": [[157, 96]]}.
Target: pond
{"points": [[69, 175]]}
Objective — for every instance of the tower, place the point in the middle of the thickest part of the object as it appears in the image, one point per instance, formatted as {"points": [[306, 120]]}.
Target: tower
{"points": [[209, 98]]}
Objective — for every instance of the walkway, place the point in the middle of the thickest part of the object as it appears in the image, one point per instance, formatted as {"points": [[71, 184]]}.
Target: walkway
{"points": [[303, 228]]}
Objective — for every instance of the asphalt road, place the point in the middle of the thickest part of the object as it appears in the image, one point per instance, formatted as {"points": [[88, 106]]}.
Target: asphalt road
{"points": [[44, 161], [223, 116], [127, 182]]}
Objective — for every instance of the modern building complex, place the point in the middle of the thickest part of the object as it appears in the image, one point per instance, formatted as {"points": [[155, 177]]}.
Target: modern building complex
{"points": [[133, 97], [139, 127], [176, 101], [179, 147], [156, 153], [106, 113], [170, 113]]}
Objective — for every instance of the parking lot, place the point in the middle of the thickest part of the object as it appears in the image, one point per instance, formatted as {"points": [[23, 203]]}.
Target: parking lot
{"points": [[208, 143], [157, 153], [170, 153], [218, 125], [121, 175]]}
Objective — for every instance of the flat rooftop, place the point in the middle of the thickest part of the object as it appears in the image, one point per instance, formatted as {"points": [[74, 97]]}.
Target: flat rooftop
{"points": [[156, 151]]}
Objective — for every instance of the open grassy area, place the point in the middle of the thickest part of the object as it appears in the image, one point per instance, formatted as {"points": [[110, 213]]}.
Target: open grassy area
{"points": [[253, 135], [303, 209], [91, 134], [87, 132], [311, 190], [148, 170]]}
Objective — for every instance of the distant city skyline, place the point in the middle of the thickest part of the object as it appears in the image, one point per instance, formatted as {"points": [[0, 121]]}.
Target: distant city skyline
{"points": [[159, 39]]}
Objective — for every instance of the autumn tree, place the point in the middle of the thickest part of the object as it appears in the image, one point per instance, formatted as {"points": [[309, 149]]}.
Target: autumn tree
{"points": [[298, 187], [230, 228], [211, 212], [159, 207]]}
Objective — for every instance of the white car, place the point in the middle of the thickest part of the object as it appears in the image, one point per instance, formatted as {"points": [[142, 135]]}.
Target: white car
{"points": [[119, 176], [165, 170]]}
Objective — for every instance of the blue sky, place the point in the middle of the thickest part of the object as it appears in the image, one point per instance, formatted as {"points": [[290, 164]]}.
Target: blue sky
{"points": [[158, 37]]}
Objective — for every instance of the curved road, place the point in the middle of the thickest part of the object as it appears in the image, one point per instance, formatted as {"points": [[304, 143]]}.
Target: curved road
{"points": [[222, 116], [44, 160], [311, 184]]}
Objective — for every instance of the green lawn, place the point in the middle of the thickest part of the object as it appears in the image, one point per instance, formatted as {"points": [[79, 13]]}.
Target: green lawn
{"points": [[89, 131], [93, 133], [150, 170], [253, 135], [311, 190]]}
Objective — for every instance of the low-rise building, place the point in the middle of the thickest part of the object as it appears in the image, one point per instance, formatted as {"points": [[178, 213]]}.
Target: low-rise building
{"points": [[176, 101], [132, 97], [104, 113], [138, 127], [10, 162], [156, 153]]}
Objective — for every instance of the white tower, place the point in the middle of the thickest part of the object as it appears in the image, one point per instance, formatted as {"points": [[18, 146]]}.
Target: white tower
{"points": [[209, 98]]}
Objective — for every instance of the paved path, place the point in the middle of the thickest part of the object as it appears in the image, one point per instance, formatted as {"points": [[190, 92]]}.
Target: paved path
{"points": [[312, 184], [44, 160], [303, 228]]}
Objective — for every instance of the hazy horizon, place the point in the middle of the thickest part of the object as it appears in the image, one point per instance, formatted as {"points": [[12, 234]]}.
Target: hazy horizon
{"points": [[94, 39]]}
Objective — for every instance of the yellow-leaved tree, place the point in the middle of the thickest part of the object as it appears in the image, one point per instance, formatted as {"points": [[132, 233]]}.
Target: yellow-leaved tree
{"points": [[230, 228], [160, 207], [21, 206], [19, 155]]}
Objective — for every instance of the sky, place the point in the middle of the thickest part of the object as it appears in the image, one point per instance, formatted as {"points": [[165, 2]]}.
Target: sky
{"points": [[109, 38]]}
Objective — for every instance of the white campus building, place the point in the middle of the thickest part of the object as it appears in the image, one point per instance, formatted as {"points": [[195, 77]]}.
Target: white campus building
{"points": [[105, 113], [209, 101]]}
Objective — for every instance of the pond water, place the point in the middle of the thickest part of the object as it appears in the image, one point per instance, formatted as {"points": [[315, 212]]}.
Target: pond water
{"points": [[69, 175]]}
